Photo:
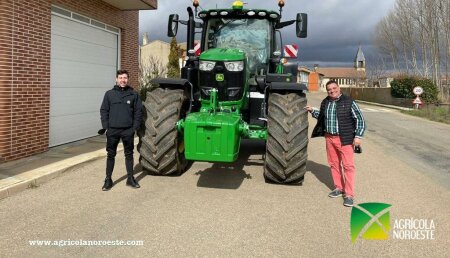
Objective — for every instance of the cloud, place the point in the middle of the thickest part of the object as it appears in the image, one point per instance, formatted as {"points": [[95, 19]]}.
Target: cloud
{"points": [[335, 27]]}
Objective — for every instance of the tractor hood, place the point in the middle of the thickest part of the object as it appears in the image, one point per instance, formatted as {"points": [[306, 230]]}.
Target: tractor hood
{"points": [[222, 54]]}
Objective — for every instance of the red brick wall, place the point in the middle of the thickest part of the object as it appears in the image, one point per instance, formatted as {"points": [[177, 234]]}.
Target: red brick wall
{"points": [[25, 42], [25, 74], [130, 46], [6, 14]]}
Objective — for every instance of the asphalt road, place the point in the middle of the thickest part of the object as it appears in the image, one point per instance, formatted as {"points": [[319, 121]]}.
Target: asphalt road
{"points": [[217, 210], [423, 144]]}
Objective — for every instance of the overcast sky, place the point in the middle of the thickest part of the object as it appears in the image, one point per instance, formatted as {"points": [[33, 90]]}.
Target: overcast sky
{"points": [[335, 27]]}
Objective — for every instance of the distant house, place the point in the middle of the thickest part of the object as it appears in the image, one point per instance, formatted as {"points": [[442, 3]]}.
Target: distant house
{"points": [[303, 75], [159, 51], [346, 76], [154, 51], [385, 82], [311, 78]]}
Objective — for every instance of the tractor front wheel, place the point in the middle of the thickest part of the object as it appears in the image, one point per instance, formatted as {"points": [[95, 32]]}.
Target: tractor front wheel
{"points": [[162, 146], [287, 140]]}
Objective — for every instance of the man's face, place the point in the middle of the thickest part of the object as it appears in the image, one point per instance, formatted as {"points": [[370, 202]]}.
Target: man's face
{"points": [[333, 91], [122, 80]]}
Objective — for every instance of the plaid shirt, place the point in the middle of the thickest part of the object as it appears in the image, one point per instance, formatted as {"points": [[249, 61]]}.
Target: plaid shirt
{"points": [[331, 122]]}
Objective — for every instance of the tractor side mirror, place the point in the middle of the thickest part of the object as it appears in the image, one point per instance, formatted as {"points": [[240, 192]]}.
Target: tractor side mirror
{"points": [[302, 25], [172, 27]]}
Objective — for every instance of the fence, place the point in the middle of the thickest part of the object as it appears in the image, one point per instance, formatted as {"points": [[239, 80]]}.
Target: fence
{"points": [[377, 95]]}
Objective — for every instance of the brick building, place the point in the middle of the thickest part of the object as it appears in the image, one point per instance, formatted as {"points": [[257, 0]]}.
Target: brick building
{"points": [[346, 76], [311, 78], [57, 58]]}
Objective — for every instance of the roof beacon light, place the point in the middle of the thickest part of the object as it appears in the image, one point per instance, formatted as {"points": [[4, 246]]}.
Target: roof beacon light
{"points": [[238, 5], [281, 4], [195, 3]]}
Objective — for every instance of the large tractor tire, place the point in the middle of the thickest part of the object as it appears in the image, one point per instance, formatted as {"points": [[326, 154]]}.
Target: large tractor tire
{"points": [[287, 140], [162, 146]]}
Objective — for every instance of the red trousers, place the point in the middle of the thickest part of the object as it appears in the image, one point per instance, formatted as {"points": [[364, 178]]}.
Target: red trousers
{"points": [[340, 160]]}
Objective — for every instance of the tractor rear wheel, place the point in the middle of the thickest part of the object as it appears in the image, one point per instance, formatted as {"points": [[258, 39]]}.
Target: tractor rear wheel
{"points": [[162, 146], [287, 140]]}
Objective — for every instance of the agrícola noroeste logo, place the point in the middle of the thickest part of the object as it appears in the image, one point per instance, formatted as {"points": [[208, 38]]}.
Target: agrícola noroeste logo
{"points": [[371, 220]]}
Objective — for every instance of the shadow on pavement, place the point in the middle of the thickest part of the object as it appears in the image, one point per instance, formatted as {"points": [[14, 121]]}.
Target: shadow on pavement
{"points": [[222, 175], [137, 168], [321, 172], [231, 175]]}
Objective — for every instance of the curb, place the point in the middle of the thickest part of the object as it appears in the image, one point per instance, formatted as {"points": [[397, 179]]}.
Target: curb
{"points": [[382, 105], [35, 177]]}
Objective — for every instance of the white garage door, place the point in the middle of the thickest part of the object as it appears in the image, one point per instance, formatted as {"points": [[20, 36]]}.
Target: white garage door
{"points": [[84, 60]]}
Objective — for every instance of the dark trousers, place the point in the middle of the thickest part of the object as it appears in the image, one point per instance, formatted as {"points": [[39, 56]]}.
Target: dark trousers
{"points": [[113, 137]]}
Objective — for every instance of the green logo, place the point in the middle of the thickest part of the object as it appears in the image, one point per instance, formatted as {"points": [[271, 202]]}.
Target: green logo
{"points": [[220, 77], [370, 220]]}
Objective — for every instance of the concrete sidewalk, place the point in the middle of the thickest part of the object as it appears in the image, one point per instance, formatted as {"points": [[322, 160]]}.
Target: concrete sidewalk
{"points": [[18, 175]]}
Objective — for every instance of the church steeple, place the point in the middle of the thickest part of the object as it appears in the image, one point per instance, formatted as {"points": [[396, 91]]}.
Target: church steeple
{"points": [[360, 60]]}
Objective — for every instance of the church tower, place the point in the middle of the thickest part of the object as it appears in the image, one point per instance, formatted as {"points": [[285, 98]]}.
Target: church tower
{"points": [[360, 61]]}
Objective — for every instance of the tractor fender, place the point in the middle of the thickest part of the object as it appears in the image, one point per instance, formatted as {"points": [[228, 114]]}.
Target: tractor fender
{"points": [[174, 84], [287, 86], [171, 83]]}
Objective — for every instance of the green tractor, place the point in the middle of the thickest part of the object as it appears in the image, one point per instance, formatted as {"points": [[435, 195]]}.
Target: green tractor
{"points": [[237, 88]]}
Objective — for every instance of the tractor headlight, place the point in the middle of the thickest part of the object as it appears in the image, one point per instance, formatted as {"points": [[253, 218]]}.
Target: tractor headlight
{"points": [[207, 65], [234, 66]]}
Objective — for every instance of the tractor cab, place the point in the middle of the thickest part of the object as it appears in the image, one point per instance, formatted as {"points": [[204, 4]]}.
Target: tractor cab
{"points": [[252, 36]]}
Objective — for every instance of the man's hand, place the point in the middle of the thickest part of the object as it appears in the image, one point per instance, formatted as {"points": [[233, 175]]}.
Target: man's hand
{"points": [[101, 131], [308, 108], [357, 141]]}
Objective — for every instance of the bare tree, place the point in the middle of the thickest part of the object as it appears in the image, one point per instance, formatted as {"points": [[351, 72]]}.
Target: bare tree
{"points": [[416, 37], [444, 15], [385, 41], [407, 33], [376, 69], [423, 36], [150, 68]]}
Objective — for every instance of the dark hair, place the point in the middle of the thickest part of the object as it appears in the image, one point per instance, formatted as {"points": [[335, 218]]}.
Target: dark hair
{"points": [[119, 72], [330, 82]]}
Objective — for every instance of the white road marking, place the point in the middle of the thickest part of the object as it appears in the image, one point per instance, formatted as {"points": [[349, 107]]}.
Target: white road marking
{"points": [[375, 110]]}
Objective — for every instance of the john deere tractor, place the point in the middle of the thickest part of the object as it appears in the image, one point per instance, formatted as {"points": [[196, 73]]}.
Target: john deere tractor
{"points": [[237, 88]]}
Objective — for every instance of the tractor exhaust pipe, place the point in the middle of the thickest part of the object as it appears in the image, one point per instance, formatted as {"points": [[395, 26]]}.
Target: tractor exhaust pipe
{"points": [[190, 31]]}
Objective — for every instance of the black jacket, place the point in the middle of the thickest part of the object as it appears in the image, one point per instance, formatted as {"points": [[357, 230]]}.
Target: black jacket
{"points": [[121, 108], [347, 124]]}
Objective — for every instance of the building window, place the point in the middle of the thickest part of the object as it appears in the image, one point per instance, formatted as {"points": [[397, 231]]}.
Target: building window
{"points": [[83, 19]]}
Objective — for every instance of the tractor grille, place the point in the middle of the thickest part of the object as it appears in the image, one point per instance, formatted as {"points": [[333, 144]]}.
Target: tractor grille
{"points": [[230, 89]]}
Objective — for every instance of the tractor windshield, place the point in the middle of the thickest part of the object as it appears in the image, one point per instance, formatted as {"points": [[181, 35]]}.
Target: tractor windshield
{"points": [[250, 35]]}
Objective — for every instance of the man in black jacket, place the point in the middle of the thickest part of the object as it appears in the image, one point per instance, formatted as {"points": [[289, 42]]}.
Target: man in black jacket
{"points": [[341, 122], [121, 114]]}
